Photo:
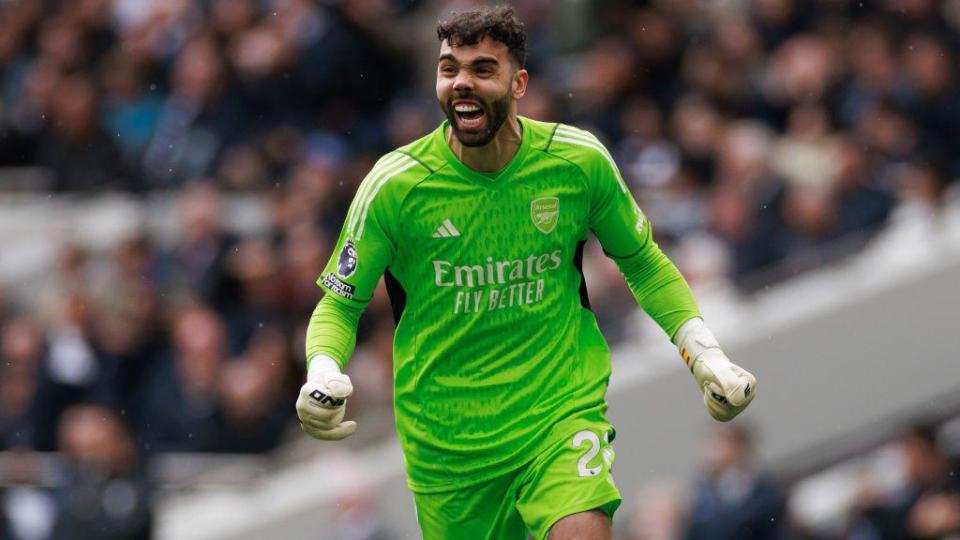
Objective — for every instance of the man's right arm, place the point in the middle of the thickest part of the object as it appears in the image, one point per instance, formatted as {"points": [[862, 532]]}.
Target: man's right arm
{"points": [[364, 250]]}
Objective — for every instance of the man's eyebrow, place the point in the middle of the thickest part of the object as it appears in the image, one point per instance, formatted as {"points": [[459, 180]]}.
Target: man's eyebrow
{"points": [[486, 60], [476, 61]]}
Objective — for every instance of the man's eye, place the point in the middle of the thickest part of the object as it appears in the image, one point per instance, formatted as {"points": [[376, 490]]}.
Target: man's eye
{"points": [[448, 69]]}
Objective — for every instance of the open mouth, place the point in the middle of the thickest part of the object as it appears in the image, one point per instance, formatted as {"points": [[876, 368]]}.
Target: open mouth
{"points": [[470, 115]]}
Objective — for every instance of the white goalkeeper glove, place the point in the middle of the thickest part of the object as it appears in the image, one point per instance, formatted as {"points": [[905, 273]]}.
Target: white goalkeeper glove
{"points": [[727, 388], [322, 401]]}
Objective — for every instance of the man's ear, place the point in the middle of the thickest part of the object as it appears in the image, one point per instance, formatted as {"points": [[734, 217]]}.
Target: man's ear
{"points": [[520, 80]]}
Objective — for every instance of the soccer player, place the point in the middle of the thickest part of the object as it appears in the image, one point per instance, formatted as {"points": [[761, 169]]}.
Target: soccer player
{"points": [[500, 370]]}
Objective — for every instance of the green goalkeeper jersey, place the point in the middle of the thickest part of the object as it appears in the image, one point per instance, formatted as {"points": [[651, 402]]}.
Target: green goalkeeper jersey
{"points": [[495, 341]]}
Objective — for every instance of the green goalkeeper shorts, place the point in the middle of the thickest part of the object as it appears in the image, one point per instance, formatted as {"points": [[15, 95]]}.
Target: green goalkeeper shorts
{"points": [[570, 475]]}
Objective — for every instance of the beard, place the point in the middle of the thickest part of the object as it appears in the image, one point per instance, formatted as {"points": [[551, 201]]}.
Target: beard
{"points": [[494, 115]]}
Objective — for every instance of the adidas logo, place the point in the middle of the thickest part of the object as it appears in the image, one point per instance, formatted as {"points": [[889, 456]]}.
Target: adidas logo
{"points": [[446, 230]]}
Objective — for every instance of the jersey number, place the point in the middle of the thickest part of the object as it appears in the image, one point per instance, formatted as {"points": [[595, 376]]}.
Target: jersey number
{"points": [[594, 440], [578, 440]]}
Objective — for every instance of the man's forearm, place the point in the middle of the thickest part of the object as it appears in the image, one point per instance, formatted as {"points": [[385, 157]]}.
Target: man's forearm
{"points": [[659, 287], [663, 293], [332, 330]]}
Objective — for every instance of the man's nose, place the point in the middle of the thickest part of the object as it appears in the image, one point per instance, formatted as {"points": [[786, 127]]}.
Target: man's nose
{"points": [[463, 83]]}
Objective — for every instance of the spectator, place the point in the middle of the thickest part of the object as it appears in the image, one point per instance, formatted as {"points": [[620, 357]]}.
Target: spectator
{"points": [[304, 255], [75, 147], [931, 96], [105, 496], [253, 266], [21, 346], [862, 205], [732, 500], [255, 405], [928, 504], [72, 367], [128, 326], [180, 403], [199, 118], [130, 110], [871, 54], [199, 257]]}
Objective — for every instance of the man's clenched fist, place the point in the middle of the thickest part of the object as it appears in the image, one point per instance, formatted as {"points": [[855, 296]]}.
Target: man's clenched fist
{"points": [[727, 388], [322, 401]]}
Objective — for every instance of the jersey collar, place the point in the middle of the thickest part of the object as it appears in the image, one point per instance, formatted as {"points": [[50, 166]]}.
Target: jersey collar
{"points": [[489, 178]]}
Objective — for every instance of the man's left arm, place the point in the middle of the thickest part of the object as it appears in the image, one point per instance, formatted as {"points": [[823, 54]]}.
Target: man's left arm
{"points": [[627, 238]]}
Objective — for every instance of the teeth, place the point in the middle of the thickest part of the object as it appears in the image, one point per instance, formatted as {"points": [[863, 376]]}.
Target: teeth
{"points": [[466, 108]]}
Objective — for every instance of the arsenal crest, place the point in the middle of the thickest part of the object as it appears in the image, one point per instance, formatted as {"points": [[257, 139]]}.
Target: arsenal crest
{"points": [[545, 213]]}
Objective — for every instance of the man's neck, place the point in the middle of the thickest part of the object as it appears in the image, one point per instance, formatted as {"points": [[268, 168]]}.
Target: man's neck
{"points": [[494, 155]]}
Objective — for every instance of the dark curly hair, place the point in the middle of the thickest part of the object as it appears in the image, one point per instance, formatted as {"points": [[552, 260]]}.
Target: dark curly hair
{"points": [[470, 27]]}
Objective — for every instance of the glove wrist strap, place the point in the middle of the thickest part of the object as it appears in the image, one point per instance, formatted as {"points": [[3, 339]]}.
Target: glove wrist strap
{"points": [[693, 339], [321, 364]]}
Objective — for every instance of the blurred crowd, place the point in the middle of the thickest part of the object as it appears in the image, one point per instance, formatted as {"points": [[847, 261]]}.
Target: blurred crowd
{"points": [[734, 499], [756, 134]]}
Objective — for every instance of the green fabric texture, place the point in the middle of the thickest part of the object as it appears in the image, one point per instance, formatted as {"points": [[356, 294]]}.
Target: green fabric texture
{"points": [[658, 286], [332, 330], [494, 346], [571, 474]]}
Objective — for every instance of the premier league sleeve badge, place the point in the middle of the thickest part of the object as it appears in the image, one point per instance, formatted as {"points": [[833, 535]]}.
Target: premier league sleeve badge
{"points": [[347, 260]]}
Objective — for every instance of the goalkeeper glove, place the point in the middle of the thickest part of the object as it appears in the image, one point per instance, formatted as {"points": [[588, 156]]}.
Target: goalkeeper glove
{"points": [[727, 388], [322, 401]]}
